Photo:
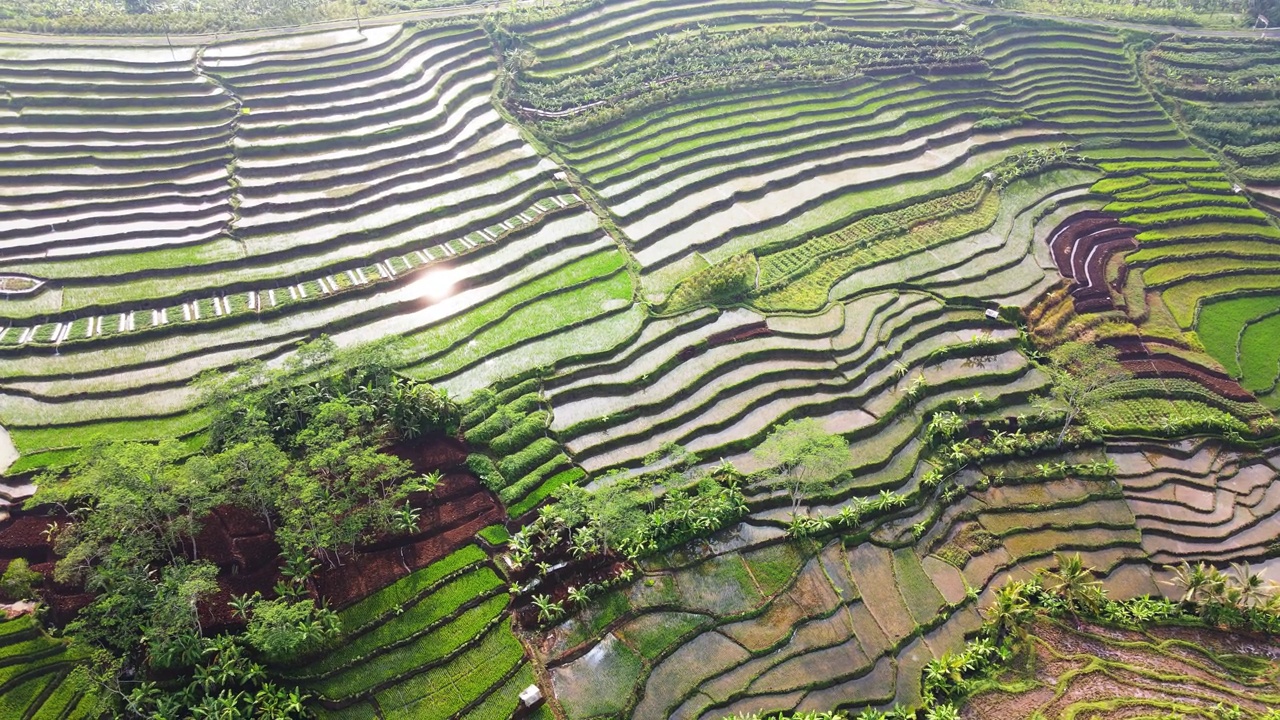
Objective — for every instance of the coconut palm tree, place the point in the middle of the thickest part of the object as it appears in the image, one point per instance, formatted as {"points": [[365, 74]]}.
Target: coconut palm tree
{"points": [[945, 675], [1193, 581], [405, 522], [1254, 589], [1075, 584], [945, 711], [1011, 612]]}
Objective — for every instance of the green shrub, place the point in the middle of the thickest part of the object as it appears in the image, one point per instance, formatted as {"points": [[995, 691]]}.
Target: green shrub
{"points": [[529, 482], [520, 435], [545, 491], [406, 588], [724, 283], [482, 467], [19, 580], [521, 463]]}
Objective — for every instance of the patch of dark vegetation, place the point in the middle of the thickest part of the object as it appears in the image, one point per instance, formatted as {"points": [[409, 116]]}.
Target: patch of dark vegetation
{"points": [[189, 578]]}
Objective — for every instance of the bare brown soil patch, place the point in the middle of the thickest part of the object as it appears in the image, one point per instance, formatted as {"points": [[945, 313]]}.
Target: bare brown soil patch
{"points": [[243, 546], [1090, 671]]}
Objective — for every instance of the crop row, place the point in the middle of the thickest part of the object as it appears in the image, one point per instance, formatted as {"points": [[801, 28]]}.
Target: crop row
{"points": [[513, 454], [687, 173], [392, 270], [1201, 247], [34, 674], [440, 691], [404, 638], [819, 637], [1210, 503], [740, 388], [148, 379], [290, 200], [159, 131], [881, 239]]}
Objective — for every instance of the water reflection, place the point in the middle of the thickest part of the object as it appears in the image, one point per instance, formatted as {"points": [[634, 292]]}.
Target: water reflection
{"points": [[436, 286]]}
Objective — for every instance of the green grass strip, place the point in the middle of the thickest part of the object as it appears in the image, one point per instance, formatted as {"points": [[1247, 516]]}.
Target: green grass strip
{"points": [[422, 650], [450, 336], [444, 690], [544, 491], [430, 609], [1220, 323], [407, 588], [1260, 354]]}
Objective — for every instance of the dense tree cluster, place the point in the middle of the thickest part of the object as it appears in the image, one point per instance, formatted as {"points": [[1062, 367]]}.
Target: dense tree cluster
{"points": [[304, 447], [1238, 599], [708, 60], [1184, 13]]}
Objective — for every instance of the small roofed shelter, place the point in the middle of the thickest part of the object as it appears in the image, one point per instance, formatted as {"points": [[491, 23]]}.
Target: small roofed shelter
{"points": [[530, 696]]}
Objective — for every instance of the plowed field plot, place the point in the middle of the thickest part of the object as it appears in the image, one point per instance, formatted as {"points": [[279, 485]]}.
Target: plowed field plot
{"points": [[1092, 671]]}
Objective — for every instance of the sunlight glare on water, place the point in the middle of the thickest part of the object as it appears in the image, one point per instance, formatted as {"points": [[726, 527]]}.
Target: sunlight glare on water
{"points": [[436, 286]]}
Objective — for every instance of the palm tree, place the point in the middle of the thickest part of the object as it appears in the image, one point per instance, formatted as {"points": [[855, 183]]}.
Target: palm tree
{"points": [[1252, 586], [294, 703], [945, 711], [1011, 612], [885, 499], [521, 549], [584, 542], [1193, 581], [945, 675], [547, 610], [900, 712], [240, 605], [405, 522], [1075, 584]]}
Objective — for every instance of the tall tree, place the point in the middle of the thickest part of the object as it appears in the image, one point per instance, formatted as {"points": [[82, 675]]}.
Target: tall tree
{"points": [[804, 457], [1081, 373]]}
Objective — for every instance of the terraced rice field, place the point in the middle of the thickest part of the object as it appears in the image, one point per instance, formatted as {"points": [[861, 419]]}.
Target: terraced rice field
{"points": [[748, 625], [435, 643], [1069, 680], [356, 184], [623, 233], [34, 678]]}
